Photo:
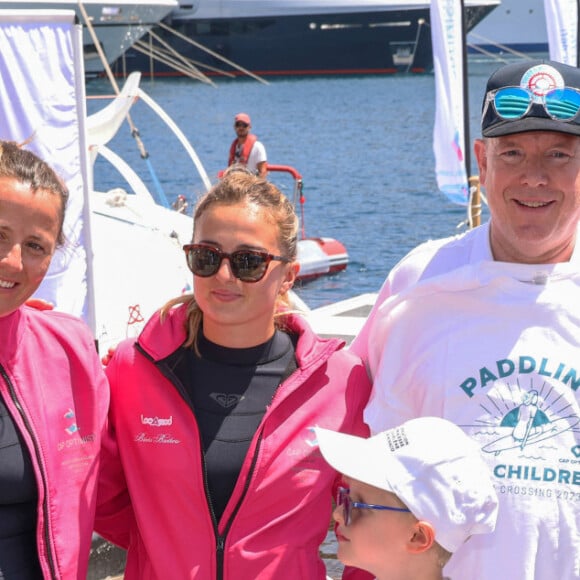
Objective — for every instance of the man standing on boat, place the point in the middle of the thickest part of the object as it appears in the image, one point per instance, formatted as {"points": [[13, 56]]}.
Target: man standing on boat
{"points": [[483, 328], [246, 149]]}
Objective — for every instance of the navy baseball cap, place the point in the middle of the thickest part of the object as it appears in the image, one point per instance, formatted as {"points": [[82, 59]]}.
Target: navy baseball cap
{"points": [[533, 95]]}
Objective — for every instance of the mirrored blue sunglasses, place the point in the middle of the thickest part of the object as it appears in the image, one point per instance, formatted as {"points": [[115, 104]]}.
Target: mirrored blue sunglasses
{"points": [[511, 103], [343, 500]]}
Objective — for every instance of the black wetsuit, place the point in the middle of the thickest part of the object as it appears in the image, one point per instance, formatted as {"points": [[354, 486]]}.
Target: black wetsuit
{"points": [[18, 498], [229, 390]]}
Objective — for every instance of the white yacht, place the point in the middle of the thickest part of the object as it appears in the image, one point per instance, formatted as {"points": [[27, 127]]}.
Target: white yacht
{"points": [[117, 24], [515, 26]]}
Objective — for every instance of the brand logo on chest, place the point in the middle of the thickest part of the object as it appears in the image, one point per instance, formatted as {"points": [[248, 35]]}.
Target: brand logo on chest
{"points": [[157, 421]]}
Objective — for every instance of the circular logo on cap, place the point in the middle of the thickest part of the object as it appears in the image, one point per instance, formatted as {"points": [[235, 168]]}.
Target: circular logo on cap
{"points": [[541, 79]]}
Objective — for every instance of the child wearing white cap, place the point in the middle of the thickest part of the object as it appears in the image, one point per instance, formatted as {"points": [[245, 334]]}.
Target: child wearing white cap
{"points": [[415, 494]]}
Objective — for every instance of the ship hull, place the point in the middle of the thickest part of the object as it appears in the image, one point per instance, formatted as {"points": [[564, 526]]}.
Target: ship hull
{"points": [[377, 42]]}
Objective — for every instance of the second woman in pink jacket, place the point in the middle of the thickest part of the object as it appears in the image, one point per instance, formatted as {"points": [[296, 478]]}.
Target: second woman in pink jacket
{"points": [[216, 474]]}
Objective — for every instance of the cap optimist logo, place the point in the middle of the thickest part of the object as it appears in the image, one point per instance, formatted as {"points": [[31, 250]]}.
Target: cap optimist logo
{"points": [[541, 79]]}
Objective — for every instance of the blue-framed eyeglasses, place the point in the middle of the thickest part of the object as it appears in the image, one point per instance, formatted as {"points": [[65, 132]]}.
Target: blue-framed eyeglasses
{"points": [[343, 500], [511, 103]]}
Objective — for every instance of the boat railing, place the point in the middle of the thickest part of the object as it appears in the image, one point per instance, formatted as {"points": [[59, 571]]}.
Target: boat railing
{"points": [[298, 198], [163, 52], [104, 124], [501, 49]]}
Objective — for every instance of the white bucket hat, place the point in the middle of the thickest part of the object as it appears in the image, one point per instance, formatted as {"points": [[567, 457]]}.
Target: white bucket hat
{"points": [[431, 465]]}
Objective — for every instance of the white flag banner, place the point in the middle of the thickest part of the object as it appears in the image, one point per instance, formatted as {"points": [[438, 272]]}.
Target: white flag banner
{"points": [[562, 26], [42, 99], [449, 138]]}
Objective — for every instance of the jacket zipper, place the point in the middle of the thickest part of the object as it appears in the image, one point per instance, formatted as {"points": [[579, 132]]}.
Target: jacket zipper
{"points": [[220, 539], [46, 531]]}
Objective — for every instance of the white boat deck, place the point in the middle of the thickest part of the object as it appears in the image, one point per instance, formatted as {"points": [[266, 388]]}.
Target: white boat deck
{"points": [[341, 319]]}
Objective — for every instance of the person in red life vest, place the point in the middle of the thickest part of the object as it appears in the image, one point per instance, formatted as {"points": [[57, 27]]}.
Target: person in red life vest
{"points": [[246, 149]]}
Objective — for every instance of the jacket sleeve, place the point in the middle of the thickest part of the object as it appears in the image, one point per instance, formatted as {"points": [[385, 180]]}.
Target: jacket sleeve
{"points": [[114, 515], [358, 391], [351, 573]]}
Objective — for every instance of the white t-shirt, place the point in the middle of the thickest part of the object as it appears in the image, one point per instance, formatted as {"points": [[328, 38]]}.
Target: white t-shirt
{"points": [[425, 261], [257, 155], [495, 348]]}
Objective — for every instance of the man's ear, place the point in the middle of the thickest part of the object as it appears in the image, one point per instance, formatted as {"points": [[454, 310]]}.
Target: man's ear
{"points": [[480, 150], [422, 539]]}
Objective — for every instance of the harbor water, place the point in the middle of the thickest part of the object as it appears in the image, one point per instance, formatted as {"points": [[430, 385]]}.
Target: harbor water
{"points": [[363, 146]]}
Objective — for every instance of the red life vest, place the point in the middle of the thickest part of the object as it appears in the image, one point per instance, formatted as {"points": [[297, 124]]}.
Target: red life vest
{"points": [[249, 143]]}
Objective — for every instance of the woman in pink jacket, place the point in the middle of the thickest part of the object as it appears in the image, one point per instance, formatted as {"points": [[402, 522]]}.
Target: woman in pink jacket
{"points": [[216, 474], [53, 392]]}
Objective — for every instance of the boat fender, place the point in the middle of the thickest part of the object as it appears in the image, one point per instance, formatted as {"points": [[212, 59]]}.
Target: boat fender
{"points": [[116, 197], [39, 304]]}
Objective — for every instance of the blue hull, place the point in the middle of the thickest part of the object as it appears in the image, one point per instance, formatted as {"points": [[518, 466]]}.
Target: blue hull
{"points": [[354, 43]]}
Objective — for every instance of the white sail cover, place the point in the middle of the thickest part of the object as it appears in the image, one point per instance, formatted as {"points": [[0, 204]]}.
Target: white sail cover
{"points": [[42, 98], [449, 136], [562, 26]]}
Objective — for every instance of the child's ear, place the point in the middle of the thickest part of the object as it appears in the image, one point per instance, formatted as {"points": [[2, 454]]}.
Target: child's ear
{"points": [[422, 539]]}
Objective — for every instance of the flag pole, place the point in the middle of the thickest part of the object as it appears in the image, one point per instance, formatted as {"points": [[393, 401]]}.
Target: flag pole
{"points": [[451, 141], [577, 34], [474, 206], [467, 151]]}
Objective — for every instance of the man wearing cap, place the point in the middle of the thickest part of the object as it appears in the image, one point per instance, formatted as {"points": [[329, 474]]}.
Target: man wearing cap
{"points": [[483, 329], [246, 149]]}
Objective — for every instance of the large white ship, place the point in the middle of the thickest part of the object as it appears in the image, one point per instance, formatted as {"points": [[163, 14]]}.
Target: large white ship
{"points": [[515, 27], [117, 24]]}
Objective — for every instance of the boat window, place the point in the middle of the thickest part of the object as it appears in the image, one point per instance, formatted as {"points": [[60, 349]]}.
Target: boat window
{"points": [[216, 28], [339, 26], [389, 24]]}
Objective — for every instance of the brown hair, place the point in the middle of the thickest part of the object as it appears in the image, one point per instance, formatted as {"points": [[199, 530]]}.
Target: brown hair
{"points": [[27, 168], [236, 188]]}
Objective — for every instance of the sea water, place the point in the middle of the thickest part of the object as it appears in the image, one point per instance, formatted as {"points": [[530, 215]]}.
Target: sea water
{"points": [[362, 144]]}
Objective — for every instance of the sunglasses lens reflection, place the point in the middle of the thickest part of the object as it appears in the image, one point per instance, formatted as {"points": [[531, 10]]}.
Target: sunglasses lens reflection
{"points": [[563, 103], [204, 262], [514, 102], [247, 266]]}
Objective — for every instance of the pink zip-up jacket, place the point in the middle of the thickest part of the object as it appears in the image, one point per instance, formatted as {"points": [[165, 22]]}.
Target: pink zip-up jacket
{"points": [[54, 387], [280, 509]]}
